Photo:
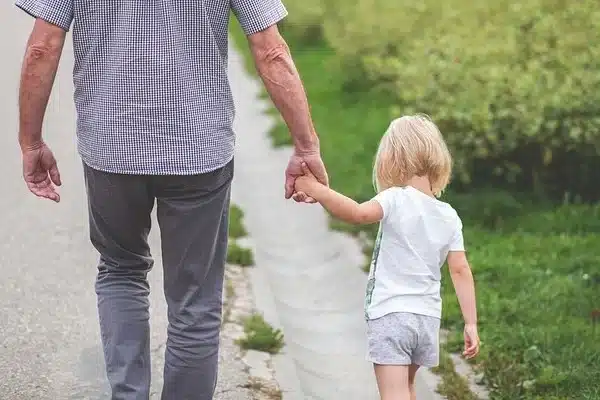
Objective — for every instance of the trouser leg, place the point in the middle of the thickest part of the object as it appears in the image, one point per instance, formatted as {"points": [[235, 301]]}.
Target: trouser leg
{"points": [[119, 218], [193, 218]]}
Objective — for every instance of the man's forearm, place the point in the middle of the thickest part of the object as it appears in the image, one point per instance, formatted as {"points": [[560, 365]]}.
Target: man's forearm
{"points": [[282, 81], [38, 72]]}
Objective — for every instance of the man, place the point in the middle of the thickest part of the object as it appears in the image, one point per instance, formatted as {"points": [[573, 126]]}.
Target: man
{"points": [[154, 124]]}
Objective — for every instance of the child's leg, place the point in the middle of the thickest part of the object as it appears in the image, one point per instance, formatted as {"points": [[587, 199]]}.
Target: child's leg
{"points": [[392, 381], [412, 373]]}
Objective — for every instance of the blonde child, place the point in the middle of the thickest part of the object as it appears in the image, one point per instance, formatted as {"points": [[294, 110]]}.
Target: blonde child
{"points": [[417, 234]]}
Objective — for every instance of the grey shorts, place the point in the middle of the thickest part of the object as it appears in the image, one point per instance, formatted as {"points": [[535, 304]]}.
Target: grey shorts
{"points": [[403, 339]]}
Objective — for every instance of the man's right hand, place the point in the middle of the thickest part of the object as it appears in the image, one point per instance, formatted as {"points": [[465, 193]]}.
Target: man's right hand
{"points": [[40, 171]]}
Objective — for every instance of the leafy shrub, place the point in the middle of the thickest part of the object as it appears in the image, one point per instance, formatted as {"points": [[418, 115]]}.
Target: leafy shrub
{"points": [[305, 20], [514, 86]]}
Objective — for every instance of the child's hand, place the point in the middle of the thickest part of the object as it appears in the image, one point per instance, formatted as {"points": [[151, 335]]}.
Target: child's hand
{"points": [[471, 341], [307, 182]]}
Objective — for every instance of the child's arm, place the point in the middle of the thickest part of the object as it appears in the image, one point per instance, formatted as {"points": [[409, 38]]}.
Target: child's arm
{"points": [[338, 205], [464, 285]]}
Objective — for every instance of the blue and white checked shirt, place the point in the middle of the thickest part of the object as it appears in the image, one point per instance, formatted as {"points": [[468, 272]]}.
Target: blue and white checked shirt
{"points": [[151, 87]]}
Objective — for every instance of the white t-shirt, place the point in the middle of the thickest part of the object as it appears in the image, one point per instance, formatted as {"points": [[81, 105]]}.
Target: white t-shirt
{"points": [[415, 235]]}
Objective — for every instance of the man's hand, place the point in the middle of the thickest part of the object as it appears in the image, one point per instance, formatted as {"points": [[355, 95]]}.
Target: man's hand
{"points": [[40, 172], [305, 185], [294, 170]]}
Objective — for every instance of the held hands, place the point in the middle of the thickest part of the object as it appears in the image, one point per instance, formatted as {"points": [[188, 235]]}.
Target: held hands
{"points": [[471, 341], [313, 164], [305, 185], [40, 171]]}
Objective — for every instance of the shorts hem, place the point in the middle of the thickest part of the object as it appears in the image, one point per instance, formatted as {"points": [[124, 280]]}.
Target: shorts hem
{"points": [[387, 362], [403, 363]]}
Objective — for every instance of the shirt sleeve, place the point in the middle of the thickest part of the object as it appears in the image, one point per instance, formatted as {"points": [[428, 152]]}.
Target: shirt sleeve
{"points": [[257, 15], [56, 12], [386, 200], [458, 242]]}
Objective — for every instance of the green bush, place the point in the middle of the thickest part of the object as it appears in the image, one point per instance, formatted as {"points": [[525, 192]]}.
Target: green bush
{"points": [[305, 20], [514, 86]]}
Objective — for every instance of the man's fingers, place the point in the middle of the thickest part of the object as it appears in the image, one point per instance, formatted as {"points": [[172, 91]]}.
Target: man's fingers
{"points": [[322, 176], [289, 186], [46, 193], [45, 190], [55, 175]]}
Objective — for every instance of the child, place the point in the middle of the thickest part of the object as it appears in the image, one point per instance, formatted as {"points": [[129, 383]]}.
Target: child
{"points": [[417, 234]]}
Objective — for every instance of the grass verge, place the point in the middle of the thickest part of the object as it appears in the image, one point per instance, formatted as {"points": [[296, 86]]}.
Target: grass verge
{"points": [[261, 336], [453, 386], [239, 255], [236, 223]]}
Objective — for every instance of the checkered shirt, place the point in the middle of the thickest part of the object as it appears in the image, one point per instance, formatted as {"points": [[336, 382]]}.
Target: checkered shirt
{"points": [[151, 87]]}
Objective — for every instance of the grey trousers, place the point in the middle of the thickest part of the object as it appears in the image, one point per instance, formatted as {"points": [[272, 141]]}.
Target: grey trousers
{"points": [[193, 219]]}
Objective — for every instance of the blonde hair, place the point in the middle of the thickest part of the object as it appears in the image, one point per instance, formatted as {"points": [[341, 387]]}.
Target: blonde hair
{"points": [[412, 146]]}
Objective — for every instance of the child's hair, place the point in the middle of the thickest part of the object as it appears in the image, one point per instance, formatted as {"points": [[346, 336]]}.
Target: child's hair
{"points": [[412, 146]]}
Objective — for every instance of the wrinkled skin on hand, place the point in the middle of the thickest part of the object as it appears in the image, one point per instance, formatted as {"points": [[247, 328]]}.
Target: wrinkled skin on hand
{"points": [[294, 170], [40, 172]]}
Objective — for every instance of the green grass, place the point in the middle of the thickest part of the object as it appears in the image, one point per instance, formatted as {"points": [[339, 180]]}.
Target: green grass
{"points": [[239, 255], [261, 336], [236, 222], [453, 386], [536, 265]]}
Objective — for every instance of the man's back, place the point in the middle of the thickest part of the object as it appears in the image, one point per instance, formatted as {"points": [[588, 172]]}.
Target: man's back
{"points": [[151, 87]]}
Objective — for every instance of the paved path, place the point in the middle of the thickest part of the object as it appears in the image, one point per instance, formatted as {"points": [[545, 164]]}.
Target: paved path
{"points": [[49, 339], [308, 278]]}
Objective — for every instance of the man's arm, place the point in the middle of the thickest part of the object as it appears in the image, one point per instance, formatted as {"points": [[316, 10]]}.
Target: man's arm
{"points": [[281, 79], [40, 64]]}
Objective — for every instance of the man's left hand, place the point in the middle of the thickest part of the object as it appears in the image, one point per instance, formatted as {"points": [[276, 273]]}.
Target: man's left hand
{"points": [[294, 170]]}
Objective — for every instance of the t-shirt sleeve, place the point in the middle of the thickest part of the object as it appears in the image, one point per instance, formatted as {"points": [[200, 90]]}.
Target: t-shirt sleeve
{"points": [[386, 200], [56, 12], [257, 15], [457, 243]]}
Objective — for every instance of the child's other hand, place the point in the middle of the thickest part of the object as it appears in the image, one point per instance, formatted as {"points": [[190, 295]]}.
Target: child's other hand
{"points": [[471, 341]]}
